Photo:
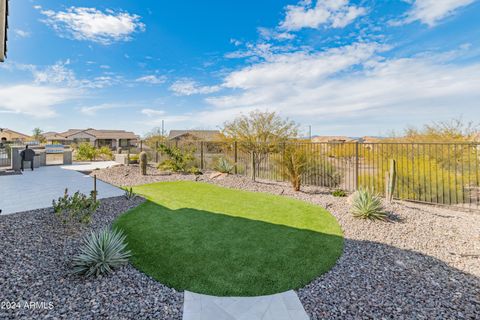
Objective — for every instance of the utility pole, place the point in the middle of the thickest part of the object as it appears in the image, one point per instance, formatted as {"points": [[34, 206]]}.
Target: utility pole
{"points": [[163, 127], [310, 132]]}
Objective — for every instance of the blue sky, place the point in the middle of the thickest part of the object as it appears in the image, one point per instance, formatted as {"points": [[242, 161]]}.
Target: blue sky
{"points": [[344, 67]]}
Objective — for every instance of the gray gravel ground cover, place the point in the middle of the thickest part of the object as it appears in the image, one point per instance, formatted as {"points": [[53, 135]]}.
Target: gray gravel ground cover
{"points": [[424, 263], [36, 252]]}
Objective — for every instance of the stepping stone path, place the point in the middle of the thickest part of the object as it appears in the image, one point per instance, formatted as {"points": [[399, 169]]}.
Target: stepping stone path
{"points": [[280, 306]]}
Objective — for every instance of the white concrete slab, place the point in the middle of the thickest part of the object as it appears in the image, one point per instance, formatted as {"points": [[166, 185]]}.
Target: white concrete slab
{"points": [[36, 189], [280, 306], [90, 166]]}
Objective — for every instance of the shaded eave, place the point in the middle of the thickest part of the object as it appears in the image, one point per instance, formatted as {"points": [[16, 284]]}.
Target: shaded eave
{"points": [[4, 27]]}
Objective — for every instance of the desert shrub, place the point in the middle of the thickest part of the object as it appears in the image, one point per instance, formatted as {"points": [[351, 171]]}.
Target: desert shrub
{"points": [[295, 163], [194, 170], [327, 174], [101, 252], [104, 153], [367, 205], [224, 166], [85, 151], [423, 178], [74, 209], [134, 158], [339, 193], [178, 160]]}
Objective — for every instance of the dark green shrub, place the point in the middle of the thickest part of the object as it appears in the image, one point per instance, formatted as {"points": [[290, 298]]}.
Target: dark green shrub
{"points": [[75, 209], [102, 252], [339, 193]]}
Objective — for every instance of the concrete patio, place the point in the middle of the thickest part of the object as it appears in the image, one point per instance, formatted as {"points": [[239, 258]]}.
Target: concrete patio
{"points": [[36, 189], [280, 306]]}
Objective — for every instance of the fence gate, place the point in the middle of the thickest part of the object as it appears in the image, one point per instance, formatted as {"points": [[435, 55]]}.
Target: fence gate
{"points": [[5, 160]]}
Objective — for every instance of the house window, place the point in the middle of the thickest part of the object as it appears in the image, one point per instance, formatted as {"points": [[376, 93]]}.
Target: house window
{"points": [[124, 143], [80, 140]]}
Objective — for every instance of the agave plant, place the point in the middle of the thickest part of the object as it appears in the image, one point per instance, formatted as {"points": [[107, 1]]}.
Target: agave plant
{"points": [[129, 194], [102, 252], [224, 166], [367, 205]]}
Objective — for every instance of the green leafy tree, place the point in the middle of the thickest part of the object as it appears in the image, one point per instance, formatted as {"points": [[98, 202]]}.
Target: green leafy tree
{"points": [[178, 160], [155, 136], [260, 133], [37, 134]]}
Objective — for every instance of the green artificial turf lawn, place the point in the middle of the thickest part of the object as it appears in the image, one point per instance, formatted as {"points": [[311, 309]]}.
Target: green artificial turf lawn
{"points": [[212, 240]]}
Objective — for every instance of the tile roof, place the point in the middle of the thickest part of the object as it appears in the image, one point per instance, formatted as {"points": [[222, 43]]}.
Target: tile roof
{"points": [[14, 132], [101, 134]]}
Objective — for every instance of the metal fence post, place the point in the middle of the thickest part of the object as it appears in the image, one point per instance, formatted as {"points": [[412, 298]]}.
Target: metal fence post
{"points": [[235, 155], [201, 156], [356, 165], [156, 151], [253, 165]]}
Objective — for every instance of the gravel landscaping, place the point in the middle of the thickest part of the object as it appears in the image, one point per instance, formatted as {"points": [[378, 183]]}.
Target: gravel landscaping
{"points": [[36, 253], [423, 263]]}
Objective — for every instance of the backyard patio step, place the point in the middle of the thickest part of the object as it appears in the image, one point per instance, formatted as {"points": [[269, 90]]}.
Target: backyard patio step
{"points": [[280, 306]]}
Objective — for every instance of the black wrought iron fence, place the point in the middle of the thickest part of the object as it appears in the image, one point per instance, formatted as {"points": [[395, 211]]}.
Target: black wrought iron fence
{"points": [[438, 173]]}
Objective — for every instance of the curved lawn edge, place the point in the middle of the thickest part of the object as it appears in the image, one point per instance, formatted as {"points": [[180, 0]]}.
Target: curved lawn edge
{"points": [[226, 242]]}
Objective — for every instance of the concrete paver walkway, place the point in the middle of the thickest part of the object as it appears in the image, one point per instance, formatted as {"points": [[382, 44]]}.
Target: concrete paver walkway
{"points": [[36, 189], [280, 306]]}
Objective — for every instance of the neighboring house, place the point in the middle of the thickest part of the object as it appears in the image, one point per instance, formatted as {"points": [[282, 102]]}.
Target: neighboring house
{"points": [[333, 139], [98, 138], [368, 139], [189, 135], [7, 135], [3, 29], [54, 138]]}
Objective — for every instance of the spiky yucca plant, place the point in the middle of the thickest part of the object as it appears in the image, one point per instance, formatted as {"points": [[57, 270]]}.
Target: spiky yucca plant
{"points": [[102, 252], [367, 205], [224, 166]]}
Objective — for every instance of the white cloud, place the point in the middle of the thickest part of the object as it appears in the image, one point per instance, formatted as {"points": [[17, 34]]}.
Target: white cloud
{"points": [[55, 74], [188, 87], [269, 34], [152, 79], [34, 100], [330, 13], [301, 67], [152, 112], [60, 74], [430, 12], [22, 33], [350, 81], [93, 25], [92, 110]]}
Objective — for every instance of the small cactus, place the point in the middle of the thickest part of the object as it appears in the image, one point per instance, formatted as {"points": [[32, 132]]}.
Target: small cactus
{"points": [[143, 162]]}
